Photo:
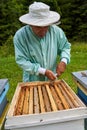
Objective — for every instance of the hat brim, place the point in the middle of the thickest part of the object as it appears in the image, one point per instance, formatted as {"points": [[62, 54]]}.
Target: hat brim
{"points": [[51, 19]]}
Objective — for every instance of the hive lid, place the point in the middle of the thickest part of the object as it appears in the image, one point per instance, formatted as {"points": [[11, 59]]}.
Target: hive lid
{"points": [[81, 76], [2, 84]]}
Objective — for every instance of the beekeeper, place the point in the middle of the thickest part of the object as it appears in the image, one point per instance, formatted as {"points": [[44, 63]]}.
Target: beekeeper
{"points": [[38, 44]]}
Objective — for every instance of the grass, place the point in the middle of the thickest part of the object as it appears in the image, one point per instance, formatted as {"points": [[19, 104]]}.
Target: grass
{"points": [[10, 70]]}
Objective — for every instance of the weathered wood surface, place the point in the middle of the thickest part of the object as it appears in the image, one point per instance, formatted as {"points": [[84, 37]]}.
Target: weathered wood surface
{"points": [[42, 105], [46, 99], [31, 101]]}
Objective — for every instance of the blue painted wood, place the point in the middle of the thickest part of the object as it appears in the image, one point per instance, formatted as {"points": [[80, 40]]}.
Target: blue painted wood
{"points": [[2, 105], [6, 87], [3, 82], [79, 77], [82, 95], [83, 81]]}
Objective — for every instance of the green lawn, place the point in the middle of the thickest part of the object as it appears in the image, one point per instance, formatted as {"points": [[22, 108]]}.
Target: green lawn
{"points": [[10, 70]]}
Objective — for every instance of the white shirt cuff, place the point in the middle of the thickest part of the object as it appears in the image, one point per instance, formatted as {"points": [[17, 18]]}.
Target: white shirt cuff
{"points": [[42, 71], [64, 60]]}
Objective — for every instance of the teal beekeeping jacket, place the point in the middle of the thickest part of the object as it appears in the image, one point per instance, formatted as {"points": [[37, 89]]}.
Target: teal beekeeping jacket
{"points": [[32, 52]]}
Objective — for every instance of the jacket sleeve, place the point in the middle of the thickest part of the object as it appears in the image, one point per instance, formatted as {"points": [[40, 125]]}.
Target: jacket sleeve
{"points": [[64, 46], [22, 59]]}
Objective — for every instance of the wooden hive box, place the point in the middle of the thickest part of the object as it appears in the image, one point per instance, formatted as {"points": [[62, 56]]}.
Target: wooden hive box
{"points": [[80, 79], [49, 104]]}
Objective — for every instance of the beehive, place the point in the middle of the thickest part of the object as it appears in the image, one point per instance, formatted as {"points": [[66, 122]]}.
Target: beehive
{"points": [[45, 97], [40, 101], [80, 78]]}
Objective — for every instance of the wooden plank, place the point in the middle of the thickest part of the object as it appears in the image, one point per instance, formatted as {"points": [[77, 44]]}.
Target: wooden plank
{"points": [[31, 101], [84, 90], [36, 83], [36, 101], [46, 99], [53, 104], [66, 96], [14, 101], [26, 101], [20, 104], [42, 106], [72, 98], [73, 93], [65, 104], [56, 98]]}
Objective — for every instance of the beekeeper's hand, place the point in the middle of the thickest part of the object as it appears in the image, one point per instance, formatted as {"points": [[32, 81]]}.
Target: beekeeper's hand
{"points": [[50, 75], [60, 68]]}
